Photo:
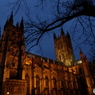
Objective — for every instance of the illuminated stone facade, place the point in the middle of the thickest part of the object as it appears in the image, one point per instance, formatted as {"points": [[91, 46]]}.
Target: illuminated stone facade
{"points": [[63, 48], [29, 74]]}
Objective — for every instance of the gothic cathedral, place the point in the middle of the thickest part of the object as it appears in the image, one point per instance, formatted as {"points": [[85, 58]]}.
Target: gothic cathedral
{"points": [[23, 73]]}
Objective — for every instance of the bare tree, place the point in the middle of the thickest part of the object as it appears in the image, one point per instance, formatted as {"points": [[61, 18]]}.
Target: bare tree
{"points": [[62, 12]]}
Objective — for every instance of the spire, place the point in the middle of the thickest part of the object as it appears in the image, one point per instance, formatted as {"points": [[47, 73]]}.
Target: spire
{"points": [[11, 16], [11, 19], [17, 24], [62, 32], [6, 24], [68, 35], [54, 36], [22, 24], [81, 53]]}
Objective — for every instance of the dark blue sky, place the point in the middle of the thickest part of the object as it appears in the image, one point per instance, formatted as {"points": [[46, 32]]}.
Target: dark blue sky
{"points": [[46, 46]]}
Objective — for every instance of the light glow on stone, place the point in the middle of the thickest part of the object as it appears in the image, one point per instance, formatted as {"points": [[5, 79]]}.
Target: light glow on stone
{"points": [[7, 92], [94, 90]]}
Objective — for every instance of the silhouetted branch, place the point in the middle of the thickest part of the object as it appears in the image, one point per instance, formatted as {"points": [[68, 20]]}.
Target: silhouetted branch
{"points": [[64, 11]]}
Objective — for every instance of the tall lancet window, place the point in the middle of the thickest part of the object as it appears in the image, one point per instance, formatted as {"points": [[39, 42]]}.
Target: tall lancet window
{"points": [[37, 85], [46, 89], [54, 83], [46, 82]]}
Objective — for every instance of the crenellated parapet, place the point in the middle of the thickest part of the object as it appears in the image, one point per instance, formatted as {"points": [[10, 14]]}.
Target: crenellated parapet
{"points": [[45, 63], [45, 60]]}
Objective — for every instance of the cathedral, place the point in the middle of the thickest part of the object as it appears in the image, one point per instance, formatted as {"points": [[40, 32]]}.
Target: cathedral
{"points": [[23, 73]]}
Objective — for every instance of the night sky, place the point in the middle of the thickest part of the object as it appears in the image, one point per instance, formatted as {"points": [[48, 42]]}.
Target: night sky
{"points": [[35, 12]]}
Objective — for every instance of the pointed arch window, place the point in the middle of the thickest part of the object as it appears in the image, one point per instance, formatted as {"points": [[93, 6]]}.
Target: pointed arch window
{"points": [[46, 81], [54, 82], [62, 84], [66, 83], [37, 85]]}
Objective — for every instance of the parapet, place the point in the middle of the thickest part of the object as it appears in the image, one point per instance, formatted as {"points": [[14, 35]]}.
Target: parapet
{"points": [[43, 59]]}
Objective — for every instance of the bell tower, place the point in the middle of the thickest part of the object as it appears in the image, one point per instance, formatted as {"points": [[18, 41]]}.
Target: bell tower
{"points": [[63, 49]]}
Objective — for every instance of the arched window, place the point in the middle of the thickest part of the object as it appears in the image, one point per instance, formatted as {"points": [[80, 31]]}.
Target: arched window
{"points": [[76, 85], [46, 89], [54, 82], [28, 83], [62, 84], [37, 85], [54, 90], [66, 83], [46, 81]]}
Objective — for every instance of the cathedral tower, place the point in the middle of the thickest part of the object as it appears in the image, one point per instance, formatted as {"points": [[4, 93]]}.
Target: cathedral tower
{"points": [[11, 55], [63, 49], [11, 49]]}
